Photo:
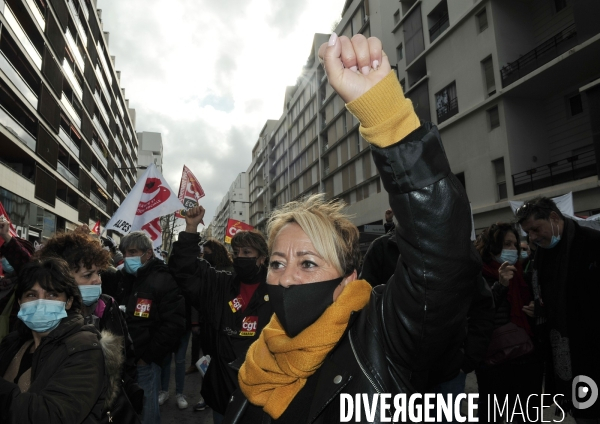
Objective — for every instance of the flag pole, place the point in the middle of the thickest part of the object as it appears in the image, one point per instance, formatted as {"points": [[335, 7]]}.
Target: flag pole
{"points": [[171, 236]]}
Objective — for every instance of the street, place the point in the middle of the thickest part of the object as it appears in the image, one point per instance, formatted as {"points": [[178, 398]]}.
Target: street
{"points": [[170, 414]]}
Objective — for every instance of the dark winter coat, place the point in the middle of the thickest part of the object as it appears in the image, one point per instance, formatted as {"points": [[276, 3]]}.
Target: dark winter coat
{"points": [[210, 291], [409, 336], [155, 311], [113, 320], [380, 260], [581, 315], [74, 375]]}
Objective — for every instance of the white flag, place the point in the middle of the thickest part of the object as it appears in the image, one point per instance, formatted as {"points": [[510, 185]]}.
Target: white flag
{"points": [[150, 198]]}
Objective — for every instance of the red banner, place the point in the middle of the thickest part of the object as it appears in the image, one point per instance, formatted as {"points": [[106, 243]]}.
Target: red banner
{"points": [[96, 229], [233, 227], [4, 218], [190, 190]]}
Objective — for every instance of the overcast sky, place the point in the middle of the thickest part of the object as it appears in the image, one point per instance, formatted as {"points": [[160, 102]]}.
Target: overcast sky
{"points": [[207, 74]]}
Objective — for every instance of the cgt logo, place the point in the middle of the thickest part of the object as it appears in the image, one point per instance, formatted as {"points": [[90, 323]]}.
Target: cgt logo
{"points": [[249, 326], [584, 392]]}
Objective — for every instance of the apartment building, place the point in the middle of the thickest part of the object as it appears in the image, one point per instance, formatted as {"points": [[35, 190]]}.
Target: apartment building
{"points": [[68, 147], [512, 85], [235, 205], [150, 151]]}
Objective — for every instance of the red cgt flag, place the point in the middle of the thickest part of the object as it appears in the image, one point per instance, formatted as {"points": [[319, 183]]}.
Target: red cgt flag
{"points": [[190, 190], [233, 227], [96, 229], [4, 218]]}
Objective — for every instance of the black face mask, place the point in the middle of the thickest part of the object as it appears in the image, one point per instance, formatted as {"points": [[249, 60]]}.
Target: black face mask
{"points": [[300, 305], [246, 269], [209, 257]]}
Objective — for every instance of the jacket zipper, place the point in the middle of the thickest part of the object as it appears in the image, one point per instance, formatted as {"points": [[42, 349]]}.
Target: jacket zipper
{"points": [[360, 365]]}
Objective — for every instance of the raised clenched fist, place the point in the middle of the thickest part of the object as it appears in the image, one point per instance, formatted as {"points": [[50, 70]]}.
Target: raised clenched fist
{"points": [[354, 66]]}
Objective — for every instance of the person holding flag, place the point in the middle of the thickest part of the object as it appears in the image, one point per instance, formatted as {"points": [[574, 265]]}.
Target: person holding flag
{"points": [[234, 305]]}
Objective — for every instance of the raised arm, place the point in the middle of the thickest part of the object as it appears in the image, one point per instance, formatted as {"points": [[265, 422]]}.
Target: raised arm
{"points": [[195, 277], [425, 307]]}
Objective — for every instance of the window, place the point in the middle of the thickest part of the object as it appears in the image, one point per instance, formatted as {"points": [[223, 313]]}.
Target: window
{"points": [[446, 103], [397, 16], [399, 53], [493, 117], [560, 5], [488, 74], [438, 20], [482, 22], [461, 177], [500, 179], [413, 34], [575, 105]]}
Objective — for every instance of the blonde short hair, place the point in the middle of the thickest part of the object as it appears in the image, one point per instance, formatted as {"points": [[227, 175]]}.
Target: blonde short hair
{"points": [[334, 236]]}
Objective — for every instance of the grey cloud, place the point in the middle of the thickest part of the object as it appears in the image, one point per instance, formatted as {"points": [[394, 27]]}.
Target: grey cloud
{"points": [[284, 14]]}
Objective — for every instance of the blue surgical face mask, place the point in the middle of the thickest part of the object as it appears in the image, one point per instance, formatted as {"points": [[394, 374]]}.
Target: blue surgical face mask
{"points": [[132, 264], [7, 267], [524, 254], [90, 293], [555, 238], [508, 255], [42, 315]]}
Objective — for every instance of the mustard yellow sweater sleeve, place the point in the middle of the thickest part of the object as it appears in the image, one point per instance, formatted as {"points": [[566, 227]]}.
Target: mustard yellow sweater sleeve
{"points": [[385, 115]]}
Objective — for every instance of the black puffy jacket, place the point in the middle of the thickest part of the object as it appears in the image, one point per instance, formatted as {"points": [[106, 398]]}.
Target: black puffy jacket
{"points": [[409, 337], [155, 311], [210, 291]]}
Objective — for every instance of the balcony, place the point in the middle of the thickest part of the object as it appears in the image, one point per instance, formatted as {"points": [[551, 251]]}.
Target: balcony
{"points": [[13, 126], [71, 77], [68, 141], [440, 26], [102, 83], [100, 130], [64, 171], [103, 60], [70, 109], [447, 110], [573, 168], [97, 201], [18, 81], [77, 21], [74, 49], [34, 54], [99, 153], [101, 106], [99, 177], [539, 56], [37, 14]]}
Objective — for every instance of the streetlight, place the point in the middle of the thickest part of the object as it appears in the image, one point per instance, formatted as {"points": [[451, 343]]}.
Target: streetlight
{"points": [[137, 167]]}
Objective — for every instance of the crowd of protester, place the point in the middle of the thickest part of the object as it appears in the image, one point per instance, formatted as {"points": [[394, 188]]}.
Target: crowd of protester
{"points": [[89, 329]]}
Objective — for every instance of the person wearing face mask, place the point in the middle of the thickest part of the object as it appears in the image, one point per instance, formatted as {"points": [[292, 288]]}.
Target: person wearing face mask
{"points": [[54, 368], [566, 284], [87, 259], [332, 334], [155, 314], [234, 305], [519, 373]]}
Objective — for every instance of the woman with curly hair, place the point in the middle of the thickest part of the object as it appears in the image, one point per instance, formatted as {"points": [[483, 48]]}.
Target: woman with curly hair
{"points": [[87, 259], [519, 373]]}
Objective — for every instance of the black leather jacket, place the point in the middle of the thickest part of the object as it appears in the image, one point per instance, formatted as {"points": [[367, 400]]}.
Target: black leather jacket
{"points": [[409, 336]]}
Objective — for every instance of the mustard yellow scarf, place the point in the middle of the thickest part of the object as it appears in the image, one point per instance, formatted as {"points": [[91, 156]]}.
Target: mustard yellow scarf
{"points": [[277, 366]]}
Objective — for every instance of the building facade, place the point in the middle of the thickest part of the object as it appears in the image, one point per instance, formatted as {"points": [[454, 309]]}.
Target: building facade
{"points": [[150, 151], [235, 205], [512, 85], [68, 146]]}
